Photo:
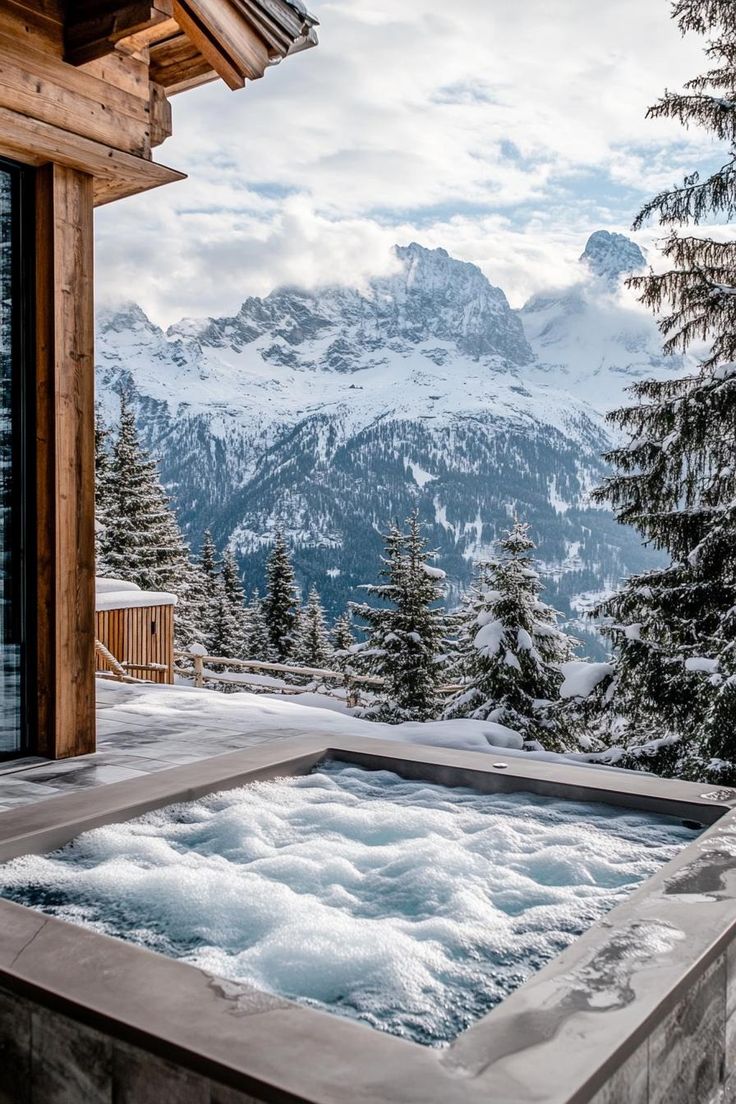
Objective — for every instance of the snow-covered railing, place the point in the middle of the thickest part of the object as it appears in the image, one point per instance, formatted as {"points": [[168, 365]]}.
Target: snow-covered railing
{"points": [[201, 673]]}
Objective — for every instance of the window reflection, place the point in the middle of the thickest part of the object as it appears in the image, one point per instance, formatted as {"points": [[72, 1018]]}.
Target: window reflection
{"points": [[10, 640]]}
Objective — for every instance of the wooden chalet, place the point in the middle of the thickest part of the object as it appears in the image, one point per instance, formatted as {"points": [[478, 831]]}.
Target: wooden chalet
{"points": [[84, 100]]}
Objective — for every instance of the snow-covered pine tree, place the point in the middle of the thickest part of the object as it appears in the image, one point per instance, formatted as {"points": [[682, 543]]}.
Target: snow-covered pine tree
{"points": [[675, 479], [208, 562], [258, 641], [209, 590], [719, 726], [314, 648], [510, 646], [406, 634], [280, 604], [103, 489], [235, 594], [343, 639], [141, 541], [228, 634]]}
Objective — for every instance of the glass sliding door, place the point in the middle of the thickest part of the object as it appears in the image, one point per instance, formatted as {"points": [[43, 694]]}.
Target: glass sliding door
{"points": [[13, 465]]}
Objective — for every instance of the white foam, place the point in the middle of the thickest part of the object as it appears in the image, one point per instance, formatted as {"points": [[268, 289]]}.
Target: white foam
{"points": [[411, 906]]}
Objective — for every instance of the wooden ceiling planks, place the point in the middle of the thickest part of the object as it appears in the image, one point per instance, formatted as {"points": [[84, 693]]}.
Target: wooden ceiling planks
{"points": [[177, 65]]}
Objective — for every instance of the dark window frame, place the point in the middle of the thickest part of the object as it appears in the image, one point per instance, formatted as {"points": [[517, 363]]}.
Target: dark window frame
{"points": [[22, 180]]}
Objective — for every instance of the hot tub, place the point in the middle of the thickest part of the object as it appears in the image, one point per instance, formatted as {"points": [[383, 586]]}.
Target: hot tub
{"points": [[639, 1005]]}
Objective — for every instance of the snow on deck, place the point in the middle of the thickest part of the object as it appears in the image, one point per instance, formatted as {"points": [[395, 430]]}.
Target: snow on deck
{"points": [[146, 728]]}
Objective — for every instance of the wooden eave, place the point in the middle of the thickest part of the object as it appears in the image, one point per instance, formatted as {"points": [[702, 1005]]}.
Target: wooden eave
{"points": [[115, 174], [85, 83], [190, 42]]}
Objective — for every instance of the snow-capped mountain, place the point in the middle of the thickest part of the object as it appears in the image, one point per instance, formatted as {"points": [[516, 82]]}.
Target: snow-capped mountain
{"points": [[330, 412], [593, 338]]}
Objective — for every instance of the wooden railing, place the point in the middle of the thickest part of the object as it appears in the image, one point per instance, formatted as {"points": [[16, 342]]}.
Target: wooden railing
{"points": [[201, 673], [200, 664]]}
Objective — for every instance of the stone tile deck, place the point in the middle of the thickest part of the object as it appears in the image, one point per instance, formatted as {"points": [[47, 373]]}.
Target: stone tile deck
{"points": [[129, 744]]}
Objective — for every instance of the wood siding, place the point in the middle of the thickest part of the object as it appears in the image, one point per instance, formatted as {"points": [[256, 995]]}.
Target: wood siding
{"points": [[102, 117], [138, 638]]}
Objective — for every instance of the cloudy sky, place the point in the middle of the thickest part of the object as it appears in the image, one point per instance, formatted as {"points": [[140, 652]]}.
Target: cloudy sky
{"points": [[504, 132]]}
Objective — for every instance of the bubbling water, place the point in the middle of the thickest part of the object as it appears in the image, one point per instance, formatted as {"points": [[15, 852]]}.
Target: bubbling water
{"points": [[413, 907]]}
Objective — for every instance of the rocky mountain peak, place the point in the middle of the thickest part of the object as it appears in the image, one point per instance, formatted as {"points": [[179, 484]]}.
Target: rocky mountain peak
{"points": [[431, 297], [123, 317], [434, 296], [611, 256]]}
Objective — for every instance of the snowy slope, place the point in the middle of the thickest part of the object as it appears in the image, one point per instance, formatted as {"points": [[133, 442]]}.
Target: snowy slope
{"points": [[331, 412]]}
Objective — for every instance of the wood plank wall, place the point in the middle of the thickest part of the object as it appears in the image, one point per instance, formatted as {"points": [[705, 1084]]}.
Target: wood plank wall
{"points": [[108, 100], [65, 461], [139, 637]]}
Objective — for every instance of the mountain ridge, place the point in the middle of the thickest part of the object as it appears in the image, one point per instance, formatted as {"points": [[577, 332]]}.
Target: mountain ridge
{"points": [[329, 412]]}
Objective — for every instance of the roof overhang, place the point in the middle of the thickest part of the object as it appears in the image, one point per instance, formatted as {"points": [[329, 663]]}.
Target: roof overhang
{"points": [[190, 42]]}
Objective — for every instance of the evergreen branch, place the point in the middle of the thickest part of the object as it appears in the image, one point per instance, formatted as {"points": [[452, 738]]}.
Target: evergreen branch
{"points": [[702, 297], [716, 79], [702, 16], [694, 200], [716, 113]]}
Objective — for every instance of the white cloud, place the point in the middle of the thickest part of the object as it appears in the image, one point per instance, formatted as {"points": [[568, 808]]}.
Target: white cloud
{"points": [[503, 132]]}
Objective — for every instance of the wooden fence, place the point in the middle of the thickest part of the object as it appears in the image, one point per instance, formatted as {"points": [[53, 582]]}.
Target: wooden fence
{"points": [[201, 672], [199, 669], [196, 665]]}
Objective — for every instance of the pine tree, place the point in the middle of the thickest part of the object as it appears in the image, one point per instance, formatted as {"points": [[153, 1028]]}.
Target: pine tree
{"points": [[405, 634], [313, 647], [280, 604], [141, 541], [228, 634], [510, 647], [103, 489], [208, 562], [343, 639], [675, 479], [209, 592], [258, 641], [699, 289], [670, 626], [235, 595]]}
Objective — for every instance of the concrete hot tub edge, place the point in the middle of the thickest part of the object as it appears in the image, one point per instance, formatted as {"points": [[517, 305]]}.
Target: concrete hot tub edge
{"points": [[641, 1009]]}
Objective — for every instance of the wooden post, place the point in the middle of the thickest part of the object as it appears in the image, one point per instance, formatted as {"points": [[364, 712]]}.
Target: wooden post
{"points": [[352, 697], [65, 462], [198, 653]]}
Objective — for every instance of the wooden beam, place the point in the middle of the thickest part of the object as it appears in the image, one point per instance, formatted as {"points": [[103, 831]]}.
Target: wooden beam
{"points": [[45, 88], [160, 115], [137, 43], [93, 27], [31, 27], [123, 70], [115, 174], [224, 39], [65, 461]]}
